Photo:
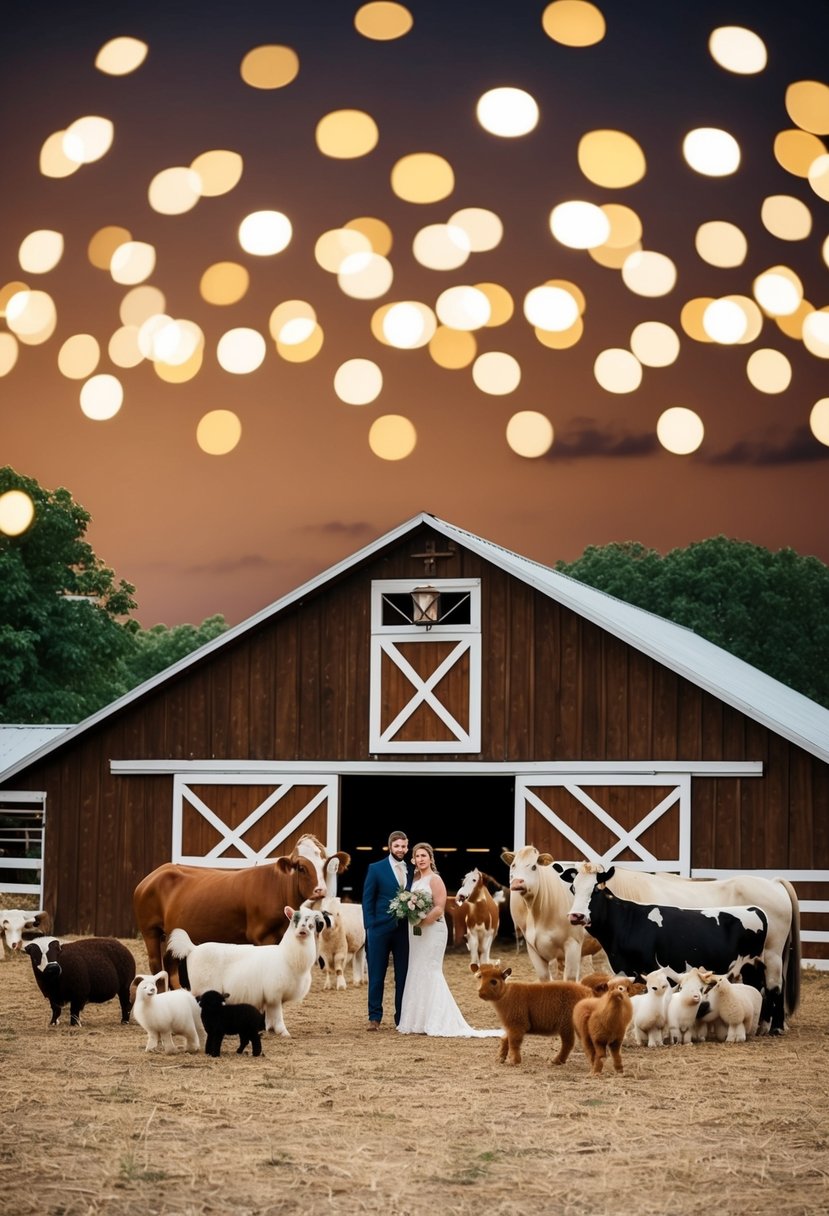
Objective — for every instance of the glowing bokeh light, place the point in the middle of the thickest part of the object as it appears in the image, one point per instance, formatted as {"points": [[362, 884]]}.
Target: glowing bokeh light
{"points": [[337, 244], [501, 304], [365, 275], [270, 67], [120, 56], [530, 434], [176, 342], [7, 291], [132, 263], [218, 432], [654, 343], [302, 352], [711, 152], [579, 225], [104, 243], [102, 397], [383, 21], [452, 348], [358, 381], [680, 430], [551, 308], [690, 318], [738, 50], [724, 322], [612, 257], [796, 151], [647, 273], [224, 283], [123, 348], [292, 322], [346, 134], [377, 233], [625, 226], [792, 325], [78, 356], [463, 307], [88, 139], [483, 228], [174, 191], [563, 339], [778, 291], [753, 316], [32, 316], [720, 243], [422, 177], [141, 303], [16, 512], [507, 112], [392, 437], [617, 370], [819, 176], [9, 349], [611, 159], [219, 171], [496, 373], [53, 159], [807, 104], [408, 325], [40, 251], [816, 333], [241, 351], [786, 217], [441, 247], [769, 371], [819, 420], [574, 23], [265, 233]]}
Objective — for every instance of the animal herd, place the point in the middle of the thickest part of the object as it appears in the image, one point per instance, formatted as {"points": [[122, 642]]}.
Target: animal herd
{"points": [[228, 949]]}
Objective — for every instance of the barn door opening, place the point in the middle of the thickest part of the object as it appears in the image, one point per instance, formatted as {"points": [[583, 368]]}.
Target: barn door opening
{"points": [[467, 820], [22, 830]]}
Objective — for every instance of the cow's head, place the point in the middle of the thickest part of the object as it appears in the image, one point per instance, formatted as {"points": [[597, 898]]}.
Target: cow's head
{"points": [[470, 881], [524, 870], [14, 922], [45, 954], [588, 877], [492, 979]]}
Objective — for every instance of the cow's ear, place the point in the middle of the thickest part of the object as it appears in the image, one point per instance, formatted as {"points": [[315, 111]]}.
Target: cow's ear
{"points": [[507, 971], [474, 967], [545, 859], [567, 875], [509, 858], [607, 875], [284, 865]]}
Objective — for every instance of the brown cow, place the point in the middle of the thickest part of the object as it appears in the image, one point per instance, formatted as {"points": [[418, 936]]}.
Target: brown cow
{"points": [[231, 905], [481, 914]]}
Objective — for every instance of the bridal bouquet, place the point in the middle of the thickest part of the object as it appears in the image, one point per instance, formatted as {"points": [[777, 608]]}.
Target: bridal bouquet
{"points": [[413, 905]]}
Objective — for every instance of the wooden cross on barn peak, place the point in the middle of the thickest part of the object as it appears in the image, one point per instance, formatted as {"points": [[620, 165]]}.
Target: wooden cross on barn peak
{"points": [[430, 555]]}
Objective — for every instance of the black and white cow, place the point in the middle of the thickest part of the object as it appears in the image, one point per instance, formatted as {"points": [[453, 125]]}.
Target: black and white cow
{"points": [[639, 937]]}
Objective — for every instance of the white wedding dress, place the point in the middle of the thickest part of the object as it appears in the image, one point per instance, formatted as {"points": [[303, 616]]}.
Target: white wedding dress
{"points": [[428, 1005]]}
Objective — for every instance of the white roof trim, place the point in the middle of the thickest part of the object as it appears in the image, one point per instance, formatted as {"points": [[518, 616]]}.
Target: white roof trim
{"points": [[758, 696]]}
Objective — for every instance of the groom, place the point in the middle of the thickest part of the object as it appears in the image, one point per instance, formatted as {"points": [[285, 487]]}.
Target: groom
{"points": [[385, 934]]}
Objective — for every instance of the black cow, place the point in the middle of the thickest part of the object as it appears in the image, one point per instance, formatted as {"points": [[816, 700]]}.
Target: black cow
{"points": [[638, 938]]}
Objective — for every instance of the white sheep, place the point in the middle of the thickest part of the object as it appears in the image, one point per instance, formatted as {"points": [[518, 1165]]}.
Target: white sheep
{"points": [[650, 1010], [683, 1007], [345, 938], [734, 1009], [264, 976], [163, 1013]]}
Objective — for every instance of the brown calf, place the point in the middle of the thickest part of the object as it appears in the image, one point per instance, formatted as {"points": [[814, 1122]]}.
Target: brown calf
{"points": [[543, 1007], [601, 1022]]}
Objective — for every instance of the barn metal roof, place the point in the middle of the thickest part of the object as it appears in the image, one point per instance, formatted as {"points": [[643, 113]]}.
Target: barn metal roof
{"points": [[758, 696], [18, 742]]}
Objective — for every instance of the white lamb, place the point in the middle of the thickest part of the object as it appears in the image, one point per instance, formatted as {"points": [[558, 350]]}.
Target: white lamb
{"points": [[734, 1007], [650, 1010], [263, 976], [163, 1013], [683, 1007]]}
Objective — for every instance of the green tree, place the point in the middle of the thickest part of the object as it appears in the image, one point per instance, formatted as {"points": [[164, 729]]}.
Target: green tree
{"points": [[769, 608], [68, 645]]}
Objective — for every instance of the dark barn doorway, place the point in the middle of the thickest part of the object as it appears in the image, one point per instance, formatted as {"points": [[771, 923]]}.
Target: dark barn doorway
{"points": [[467, 820]]}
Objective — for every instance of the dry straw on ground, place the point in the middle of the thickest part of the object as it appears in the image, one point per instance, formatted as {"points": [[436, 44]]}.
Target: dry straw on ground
{"points": [[334, 1120]]}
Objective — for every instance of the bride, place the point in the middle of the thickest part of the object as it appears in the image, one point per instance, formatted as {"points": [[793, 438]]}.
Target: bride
{"points": [[428, 1005]]}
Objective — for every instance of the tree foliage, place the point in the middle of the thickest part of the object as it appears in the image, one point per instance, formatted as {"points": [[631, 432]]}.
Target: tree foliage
{"points": [[67, 643], [769, 608]]}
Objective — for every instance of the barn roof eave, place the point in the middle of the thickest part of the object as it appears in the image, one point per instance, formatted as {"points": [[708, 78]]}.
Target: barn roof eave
{"points": [[751, 692]]}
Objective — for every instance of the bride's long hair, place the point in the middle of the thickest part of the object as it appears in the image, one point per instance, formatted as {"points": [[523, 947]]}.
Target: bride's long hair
{"points": [[430, 851]]}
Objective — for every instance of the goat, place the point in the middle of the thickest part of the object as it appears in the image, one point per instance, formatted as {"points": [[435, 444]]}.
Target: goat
{"points": [[601, 1022], [220, 1019], [92, 969], [163, 1013], [733, 1006], [344, 938], [264, 976], [650, 1010], [683, 1005], [543, 1007]]}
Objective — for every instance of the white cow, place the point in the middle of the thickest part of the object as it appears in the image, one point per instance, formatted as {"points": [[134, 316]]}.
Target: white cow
{"points": [[15, 922], [540, 905]]}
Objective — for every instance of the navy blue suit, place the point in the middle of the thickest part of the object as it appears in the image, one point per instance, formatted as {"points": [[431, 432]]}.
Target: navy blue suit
{"points": [[385, 935]]}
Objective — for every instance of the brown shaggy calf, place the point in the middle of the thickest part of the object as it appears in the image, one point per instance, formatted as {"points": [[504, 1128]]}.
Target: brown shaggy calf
{"points": [[542, 1007], [601, 1022]]}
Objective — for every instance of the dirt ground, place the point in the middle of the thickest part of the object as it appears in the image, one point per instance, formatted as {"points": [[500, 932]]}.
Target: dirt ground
{"points": [[338, 1120]]}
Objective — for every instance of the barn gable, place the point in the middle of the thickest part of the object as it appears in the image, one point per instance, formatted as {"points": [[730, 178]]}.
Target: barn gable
{"points": [[590, 727]]}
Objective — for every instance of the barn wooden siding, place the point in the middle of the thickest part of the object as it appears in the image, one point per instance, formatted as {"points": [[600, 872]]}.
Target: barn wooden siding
{"points": [[296, 687]]}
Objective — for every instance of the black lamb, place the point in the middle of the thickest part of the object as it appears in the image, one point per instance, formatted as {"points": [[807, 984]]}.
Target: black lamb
{"points": [[219, 1019], [92, 969]]}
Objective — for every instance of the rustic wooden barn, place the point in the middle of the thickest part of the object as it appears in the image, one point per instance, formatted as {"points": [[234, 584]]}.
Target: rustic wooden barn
{"points": [[436, 682]]}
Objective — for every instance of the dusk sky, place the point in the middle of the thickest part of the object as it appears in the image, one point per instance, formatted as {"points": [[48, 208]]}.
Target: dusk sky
{"points": [[309, 479]]}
